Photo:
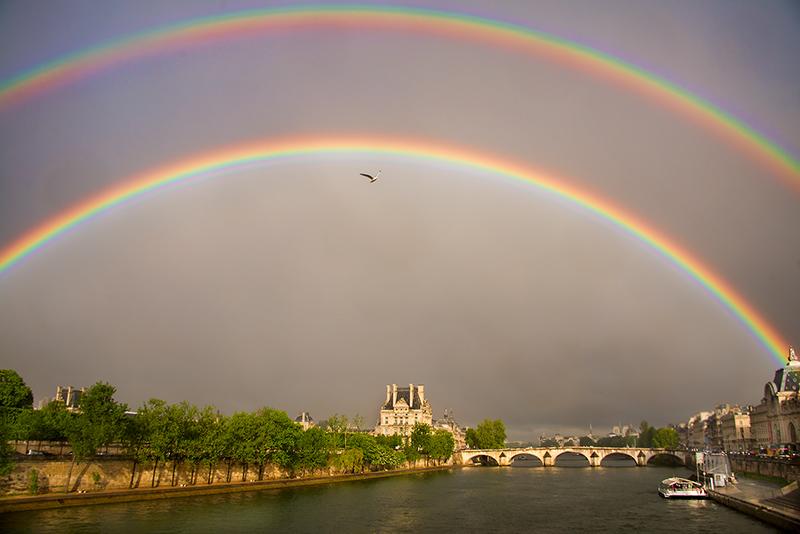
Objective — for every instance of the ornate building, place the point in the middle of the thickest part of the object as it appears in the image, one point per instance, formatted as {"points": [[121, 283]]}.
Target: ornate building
{"points": [[70, 396], [403, 407], [304, 420], [448, 423], [776, 420]]}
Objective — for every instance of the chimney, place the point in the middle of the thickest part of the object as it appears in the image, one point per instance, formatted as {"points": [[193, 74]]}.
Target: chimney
{"points": [[394, 395], [411, 395], [388, 393], [421, 389]]}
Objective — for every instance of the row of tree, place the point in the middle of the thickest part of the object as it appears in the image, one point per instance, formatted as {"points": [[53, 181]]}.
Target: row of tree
{"points": [[649, 437], [201, 438]]}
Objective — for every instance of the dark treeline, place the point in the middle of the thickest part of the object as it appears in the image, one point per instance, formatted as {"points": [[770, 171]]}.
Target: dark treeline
{"points": [[202, 439]]}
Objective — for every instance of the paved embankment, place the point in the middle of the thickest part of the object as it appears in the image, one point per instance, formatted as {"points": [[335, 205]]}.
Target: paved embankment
{"points": [[771, 504], [58, 500]]}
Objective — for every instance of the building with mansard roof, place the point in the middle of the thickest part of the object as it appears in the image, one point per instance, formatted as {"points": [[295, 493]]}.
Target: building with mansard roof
{"points": [[404, 407], [304, 420], [776, 420]]}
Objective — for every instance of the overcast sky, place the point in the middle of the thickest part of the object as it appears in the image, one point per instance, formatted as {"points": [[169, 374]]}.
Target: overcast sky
{"points": [[306, 288]]}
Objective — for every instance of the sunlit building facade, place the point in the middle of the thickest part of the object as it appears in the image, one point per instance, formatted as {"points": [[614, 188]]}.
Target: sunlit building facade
{"points": [[404, 407]]}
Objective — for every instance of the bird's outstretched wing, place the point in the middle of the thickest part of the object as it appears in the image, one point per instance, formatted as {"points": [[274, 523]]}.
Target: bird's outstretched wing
{"points": [[371, 178]]}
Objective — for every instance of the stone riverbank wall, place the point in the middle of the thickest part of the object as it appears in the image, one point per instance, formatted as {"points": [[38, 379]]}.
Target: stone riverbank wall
{"points": [[786, 469], [115, 473]]}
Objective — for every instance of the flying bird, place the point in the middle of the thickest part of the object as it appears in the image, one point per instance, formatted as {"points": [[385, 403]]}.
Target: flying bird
{"points": [[371, 178]]}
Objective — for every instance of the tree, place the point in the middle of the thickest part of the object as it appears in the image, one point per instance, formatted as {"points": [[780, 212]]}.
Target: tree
{"points": [[48, 424], [244, 435], [13, 391], [491, 434], [312, 448], [441, 445], [358, 422], [7, 450], [338, 424], [277, 438], [156, 434], [418, 441], [99, 422], [586, 441], [666, 438], [471, 437], [646, 433], [16, 399], [212, 439], [194, 445]]}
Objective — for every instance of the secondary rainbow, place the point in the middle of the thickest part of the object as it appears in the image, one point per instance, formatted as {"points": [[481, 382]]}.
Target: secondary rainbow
{"points": [[324, 148], [516, 38]]}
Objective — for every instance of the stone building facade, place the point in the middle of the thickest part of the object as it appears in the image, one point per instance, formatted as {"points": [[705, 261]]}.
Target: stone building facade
{"points": [[70, 396], [449, 424], [776, 420], [404, 407], [768, 427], [735, 426]]}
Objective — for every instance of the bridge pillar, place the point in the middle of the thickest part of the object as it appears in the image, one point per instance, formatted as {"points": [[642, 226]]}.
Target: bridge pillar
{"points": [[503, 460], [547, 461], [641, 459], [594, 460]]}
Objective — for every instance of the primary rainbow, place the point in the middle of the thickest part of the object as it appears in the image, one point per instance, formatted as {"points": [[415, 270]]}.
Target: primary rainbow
{"points": [[406, 19], [298, 149]]}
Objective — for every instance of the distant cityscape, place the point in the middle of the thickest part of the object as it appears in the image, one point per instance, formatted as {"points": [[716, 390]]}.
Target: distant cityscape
{"points": [[768, 427]]}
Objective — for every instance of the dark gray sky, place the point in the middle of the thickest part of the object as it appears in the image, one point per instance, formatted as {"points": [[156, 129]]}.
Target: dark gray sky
{"points": [[306, 288]]}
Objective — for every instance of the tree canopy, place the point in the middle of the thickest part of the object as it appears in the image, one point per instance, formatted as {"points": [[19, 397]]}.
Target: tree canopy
{"points": [[14, 393], [488, 435]]}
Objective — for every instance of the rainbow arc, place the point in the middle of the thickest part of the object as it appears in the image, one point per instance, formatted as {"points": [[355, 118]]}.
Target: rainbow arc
{"points": [[296, 150]]}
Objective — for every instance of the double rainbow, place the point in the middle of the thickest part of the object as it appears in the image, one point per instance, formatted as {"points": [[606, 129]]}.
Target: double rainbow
{"points": [[298, 149], [517, 39]]}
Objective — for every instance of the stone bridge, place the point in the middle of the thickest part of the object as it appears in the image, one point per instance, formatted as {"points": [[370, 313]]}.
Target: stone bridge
{"points": [[548, 455]]}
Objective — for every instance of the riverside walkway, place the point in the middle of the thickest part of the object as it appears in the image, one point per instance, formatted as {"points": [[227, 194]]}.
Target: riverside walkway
{"points": [[767, 502]]}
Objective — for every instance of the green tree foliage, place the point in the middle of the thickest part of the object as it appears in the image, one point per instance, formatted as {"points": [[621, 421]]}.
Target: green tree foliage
{"points": [[48, 424], [312, 449], [7, 451], [350, 460], [99, 422], [586, 441], [441, 445], [646, 433], [277, 437], [666, 438], [418, 441], [471, 437], [338, 425], [156, 434], [488, 435], [16, 399], [394, 442], [13, 391]]}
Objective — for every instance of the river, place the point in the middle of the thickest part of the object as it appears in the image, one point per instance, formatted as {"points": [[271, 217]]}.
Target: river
{"points": [[474, 499]]}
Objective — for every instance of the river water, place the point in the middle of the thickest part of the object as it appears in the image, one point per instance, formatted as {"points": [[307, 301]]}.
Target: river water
{"points": [[474, 499]]}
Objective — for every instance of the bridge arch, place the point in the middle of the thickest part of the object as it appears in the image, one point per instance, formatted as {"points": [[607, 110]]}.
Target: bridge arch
{"points": [[528, 459], [570, 458], [666, 459], [619, 459]]}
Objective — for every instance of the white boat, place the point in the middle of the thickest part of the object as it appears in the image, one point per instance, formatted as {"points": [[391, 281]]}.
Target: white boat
{"points": [[681, 488]]}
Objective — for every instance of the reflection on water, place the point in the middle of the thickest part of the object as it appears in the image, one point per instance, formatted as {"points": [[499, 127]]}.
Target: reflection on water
{"points": [[474, 499]]}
